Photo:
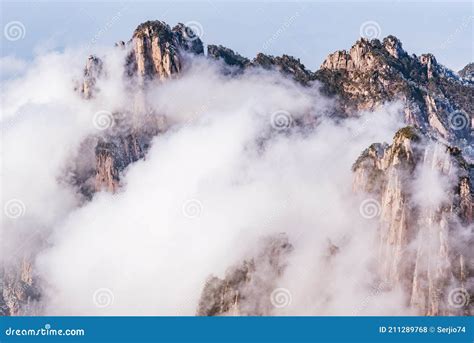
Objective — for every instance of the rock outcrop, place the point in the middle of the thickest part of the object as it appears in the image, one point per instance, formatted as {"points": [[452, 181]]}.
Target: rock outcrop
{"points": [[18, 289], [112, 157], [288, 65], [246, 288], [436, 100], [467, 72], [420, 245], [229, 57], [157, 50], [92, 72]]}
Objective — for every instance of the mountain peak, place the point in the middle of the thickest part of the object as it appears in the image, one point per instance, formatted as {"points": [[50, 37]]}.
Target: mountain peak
{"points": [[157, 49], [394, 46], [366, 54], [152, 27], [228, 55]]}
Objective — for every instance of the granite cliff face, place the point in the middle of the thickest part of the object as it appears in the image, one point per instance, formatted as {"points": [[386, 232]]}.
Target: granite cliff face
{"points": [[438, 106], [157, 50], [373, 72], [438, 111], [419, 248]]}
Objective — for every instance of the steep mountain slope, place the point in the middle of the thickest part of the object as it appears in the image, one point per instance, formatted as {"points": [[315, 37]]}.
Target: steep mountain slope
{"points": [[419, 247], [438, 104], [436, 99]]}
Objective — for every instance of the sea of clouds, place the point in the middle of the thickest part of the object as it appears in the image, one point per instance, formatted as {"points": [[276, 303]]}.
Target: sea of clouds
{"points": [[231, 167]]}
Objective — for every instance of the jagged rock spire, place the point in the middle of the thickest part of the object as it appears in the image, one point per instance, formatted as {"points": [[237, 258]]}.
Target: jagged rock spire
{"points": [[92, 71], [157, 49], [393, 46]]}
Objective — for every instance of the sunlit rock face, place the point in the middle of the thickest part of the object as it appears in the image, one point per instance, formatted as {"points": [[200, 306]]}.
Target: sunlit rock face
{"points": [[157, 50], [421, 246], [373, 72]]}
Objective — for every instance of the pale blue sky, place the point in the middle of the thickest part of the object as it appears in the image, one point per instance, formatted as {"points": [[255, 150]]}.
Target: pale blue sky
{"points": [[309, 30]]}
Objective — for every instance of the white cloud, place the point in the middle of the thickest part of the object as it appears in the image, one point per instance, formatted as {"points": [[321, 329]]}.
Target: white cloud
{"points": [[248, 179], [11, 66]]}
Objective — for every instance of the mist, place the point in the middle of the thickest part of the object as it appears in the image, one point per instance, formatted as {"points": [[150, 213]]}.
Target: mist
{"points": [[231, 167]]}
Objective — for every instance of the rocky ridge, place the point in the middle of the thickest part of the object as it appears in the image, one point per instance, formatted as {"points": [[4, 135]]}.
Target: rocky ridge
{"points": [[373, 72]]}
